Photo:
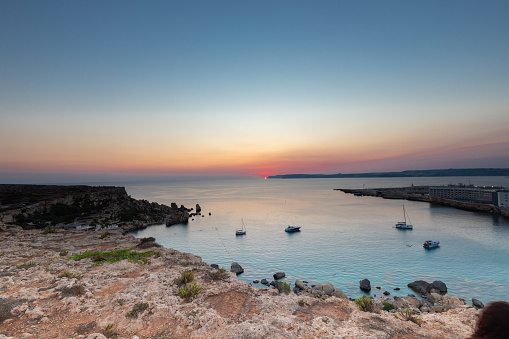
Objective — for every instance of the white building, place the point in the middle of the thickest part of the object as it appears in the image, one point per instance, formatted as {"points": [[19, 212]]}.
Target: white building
{"points": [[469, 194], [503, 199]]}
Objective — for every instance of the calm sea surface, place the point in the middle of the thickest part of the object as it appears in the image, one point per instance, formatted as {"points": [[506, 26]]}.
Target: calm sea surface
{"points": [[344, 238]]}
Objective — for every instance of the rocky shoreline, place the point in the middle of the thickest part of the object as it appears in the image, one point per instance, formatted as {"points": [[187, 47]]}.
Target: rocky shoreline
{"points": [[47, 292]]}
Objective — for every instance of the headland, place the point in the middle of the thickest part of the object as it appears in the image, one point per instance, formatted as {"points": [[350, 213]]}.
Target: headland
{"points": [[71, 284]]}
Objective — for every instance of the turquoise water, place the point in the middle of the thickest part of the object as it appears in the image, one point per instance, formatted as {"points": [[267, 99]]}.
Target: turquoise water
{"points": [[344, 238]]}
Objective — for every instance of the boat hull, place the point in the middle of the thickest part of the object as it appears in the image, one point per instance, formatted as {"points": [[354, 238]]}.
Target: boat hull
{"points": [[431, 244], [290, 229], [404, 226]]}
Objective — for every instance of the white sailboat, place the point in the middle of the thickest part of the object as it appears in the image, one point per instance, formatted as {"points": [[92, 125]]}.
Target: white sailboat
{"points": [[403, 224], [242, 231]]}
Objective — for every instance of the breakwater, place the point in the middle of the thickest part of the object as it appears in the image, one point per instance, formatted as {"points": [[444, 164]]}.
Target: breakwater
{"points": [[421, 193]]}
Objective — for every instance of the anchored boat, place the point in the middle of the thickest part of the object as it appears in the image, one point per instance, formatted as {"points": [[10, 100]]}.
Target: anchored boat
{"points": [[292, 228], [242, 231], [431, 244], [403, 224]]}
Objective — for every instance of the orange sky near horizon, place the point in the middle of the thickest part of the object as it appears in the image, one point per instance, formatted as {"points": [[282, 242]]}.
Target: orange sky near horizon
{"points": [[342, 87]]}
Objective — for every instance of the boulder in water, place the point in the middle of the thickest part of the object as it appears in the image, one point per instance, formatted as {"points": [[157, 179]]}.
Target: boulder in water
{"points": [[365, 285], [236, 268], [279, 275], [420, 286], [439, 285], [477, 304]]}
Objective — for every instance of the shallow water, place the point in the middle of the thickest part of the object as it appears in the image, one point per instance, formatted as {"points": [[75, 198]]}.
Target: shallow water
{"points": [[344, 238]]}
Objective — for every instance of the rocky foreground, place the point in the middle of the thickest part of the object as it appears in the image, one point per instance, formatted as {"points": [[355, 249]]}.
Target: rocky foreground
{"points": [[46, 294]]}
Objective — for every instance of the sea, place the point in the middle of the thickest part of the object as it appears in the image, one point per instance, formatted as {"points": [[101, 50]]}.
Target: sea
{"points": [[343, 238]]}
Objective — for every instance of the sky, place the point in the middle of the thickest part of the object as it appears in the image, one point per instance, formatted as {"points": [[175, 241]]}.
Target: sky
{"points": [[120, 89]]}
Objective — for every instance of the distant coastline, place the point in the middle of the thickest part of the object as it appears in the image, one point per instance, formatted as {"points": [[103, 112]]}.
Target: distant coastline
{"points": [[461, 172]]}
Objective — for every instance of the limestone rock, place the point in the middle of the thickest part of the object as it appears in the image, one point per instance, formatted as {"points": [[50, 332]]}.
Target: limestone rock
{"points": [[435, 297], [416, 303], [328, 289], [301, 285], [339, 294]]}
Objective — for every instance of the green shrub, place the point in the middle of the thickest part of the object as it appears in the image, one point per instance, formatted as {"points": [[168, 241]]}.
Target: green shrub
{"points": [[287, 287], [70, 275], [63, 253], [27, 265], [159, 335], [2, 254], [407, 315], [48, 230], [219, 274], [109, 331], [189, 292], [185, 277], [388, 306], [105, 234], [99, 257], [364, 303], [137, 309]]}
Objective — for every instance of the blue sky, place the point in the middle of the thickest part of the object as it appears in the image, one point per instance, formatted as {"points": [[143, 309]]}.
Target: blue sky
{"points": [[254, 88]]}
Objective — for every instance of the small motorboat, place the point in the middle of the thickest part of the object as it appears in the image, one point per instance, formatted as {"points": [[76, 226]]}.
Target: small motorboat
{"points": [[292, 228], [431, 244], [242, 231]]}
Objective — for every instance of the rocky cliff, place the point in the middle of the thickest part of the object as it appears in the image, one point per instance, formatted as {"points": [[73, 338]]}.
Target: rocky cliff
{"points": [[38, 206], [90, 285]]}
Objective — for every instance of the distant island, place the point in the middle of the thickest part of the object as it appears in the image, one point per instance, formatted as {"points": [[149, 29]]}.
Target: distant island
{"points": [[461, 172]]}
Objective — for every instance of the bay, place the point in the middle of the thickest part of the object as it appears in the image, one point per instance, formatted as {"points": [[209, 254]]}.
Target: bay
{"points": [[344, 238]]}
